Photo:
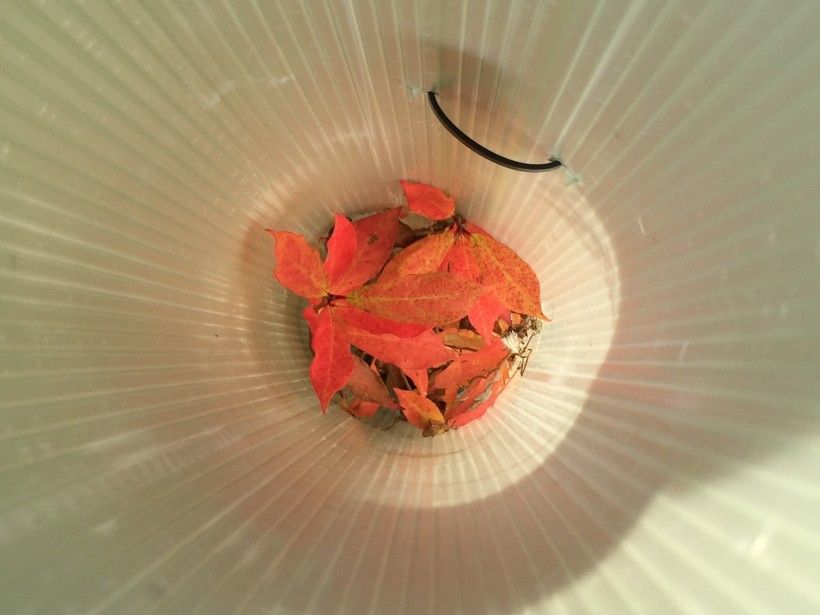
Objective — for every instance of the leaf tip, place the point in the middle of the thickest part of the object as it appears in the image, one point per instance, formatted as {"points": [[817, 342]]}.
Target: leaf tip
{"points": [[428, 201]]}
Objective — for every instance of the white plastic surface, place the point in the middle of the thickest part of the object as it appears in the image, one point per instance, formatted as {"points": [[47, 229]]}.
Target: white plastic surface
{"points": [[160, 448]]}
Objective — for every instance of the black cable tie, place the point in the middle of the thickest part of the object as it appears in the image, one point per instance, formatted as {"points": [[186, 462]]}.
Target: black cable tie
{"points": [[483, 151]]}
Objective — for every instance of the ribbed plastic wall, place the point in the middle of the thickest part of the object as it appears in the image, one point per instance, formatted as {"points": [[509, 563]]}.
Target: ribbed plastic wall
{"points": [[160, 448]]}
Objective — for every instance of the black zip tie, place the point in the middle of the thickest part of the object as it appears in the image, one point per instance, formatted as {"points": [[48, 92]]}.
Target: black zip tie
{"points": [[483, 151]]}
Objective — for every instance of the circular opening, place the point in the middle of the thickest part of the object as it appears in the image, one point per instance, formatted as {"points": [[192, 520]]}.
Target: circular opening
{"points": [[555, 231]]}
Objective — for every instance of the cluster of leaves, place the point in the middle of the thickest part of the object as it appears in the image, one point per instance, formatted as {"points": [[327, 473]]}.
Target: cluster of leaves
{"points": [[430, 323]]}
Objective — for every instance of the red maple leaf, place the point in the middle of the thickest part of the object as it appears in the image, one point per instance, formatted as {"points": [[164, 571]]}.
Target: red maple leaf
{"points": [[367, 385], [419, 411], [429, 299], [312, 318], [513, 280], [459, 260], [408, 353], [422, 256], [476, 412], [428, 201], [341, 248], [360, 407], [476, 388], [375, 236], [469, 365], [485, 313], [478, 257], [371, 323], [298, 265], [332, 362]]}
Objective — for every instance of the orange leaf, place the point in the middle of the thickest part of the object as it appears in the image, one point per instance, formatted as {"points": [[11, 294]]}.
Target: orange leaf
{"points": [[501, 269], [459, 259], [298, 265], [423, 256], [341, 247], [474, 390], [361, 408], [486, 312], [332, 362], [429, 298], [408, 353], [428, 201], [462, 338], [469, 365], [309, 314], [360, 319], [367, 385], [375, 236], [420, 379], [470, 415], [478, 411], [419, 411]]}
